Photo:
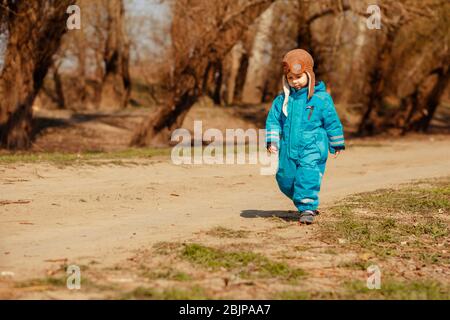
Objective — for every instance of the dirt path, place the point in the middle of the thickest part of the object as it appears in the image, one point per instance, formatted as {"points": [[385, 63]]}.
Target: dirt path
{"points": [[107, 212]]}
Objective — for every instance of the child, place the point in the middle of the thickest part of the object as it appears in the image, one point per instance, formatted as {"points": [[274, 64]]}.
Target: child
{"points": [[302, 126]]}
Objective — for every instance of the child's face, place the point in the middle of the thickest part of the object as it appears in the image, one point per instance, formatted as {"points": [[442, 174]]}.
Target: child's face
{"points": [[297, 81]]}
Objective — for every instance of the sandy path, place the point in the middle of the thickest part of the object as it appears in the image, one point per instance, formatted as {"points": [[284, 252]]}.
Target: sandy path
{"points": [[104, 213]]}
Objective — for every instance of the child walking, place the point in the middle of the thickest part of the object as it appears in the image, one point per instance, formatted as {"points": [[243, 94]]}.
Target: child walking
{"points": [[302, 127]]}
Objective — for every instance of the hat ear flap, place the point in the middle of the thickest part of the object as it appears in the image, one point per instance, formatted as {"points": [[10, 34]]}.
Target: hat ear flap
{"points": [[287, 91], [311, 83]]}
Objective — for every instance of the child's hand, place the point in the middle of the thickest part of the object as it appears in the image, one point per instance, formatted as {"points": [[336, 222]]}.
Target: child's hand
{"points": [[273, 149], [338, 152]]}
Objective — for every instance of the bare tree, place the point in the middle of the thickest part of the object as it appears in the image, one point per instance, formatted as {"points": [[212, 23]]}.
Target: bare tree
{"points": [[403, 22], [282, 38], [423, 57], [214, 27], [34, 30], [369, 67]]}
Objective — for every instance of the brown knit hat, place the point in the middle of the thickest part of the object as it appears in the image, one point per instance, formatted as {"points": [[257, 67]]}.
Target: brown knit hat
{"points": [[298, 61]]}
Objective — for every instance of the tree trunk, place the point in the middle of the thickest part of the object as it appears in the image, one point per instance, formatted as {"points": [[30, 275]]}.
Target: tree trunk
{"points": [[371, 121], [35, 29], [241, 77], [59, 90], [230, 70], [218, 80], [116, 85], [212, 81], [260, 52], [421, 116], [163, 121]]}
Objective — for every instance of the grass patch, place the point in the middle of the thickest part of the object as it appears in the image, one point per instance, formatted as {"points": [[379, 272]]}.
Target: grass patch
{"points": [[248, 264], [142, 293], [292, 295], [88, 157], [390, 290], [42, 282], [408, 222], [59, 280], [355, 265], [168, 274], [306, 295], [366, 144], [221, 232], [396, 290], [95, 158], [165, 248], [416, 199]]}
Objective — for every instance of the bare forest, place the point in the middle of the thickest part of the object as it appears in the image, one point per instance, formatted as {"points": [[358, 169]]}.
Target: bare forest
{"points": [[389, 80], [97, 97]]}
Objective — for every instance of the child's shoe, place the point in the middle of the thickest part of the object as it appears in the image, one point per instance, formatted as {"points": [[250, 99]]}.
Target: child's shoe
{"points": [[307, 216]]}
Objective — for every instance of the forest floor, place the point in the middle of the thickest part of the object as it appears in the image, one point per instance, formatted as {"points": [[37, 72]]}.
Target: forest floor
{"points": [[139, 226]]}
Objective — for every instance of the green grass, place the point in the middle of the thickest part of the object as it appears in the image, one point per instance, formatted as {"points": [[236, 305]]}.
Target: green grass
{"points": [[47, 281], [59, 280], [247, 264], [95, 158], [355, 265], [166, 248], [394, 216], [89, 157], [142, 293], [168, 274], [399, 290], [366, 145], [390, 290], [221, 232], [414, 199], [292, 295], [312, 295]]}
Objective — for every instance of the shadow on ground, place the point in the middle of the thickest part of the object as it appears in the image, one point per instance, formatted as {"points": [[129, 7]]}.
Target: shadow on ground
{"points": [[285, 215]]}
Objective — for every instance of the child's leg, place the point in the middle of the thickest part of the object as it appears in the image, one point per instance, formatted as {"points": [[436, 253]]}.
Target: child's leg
{"points": [[287, 169], [307, 187], [308, 179]]}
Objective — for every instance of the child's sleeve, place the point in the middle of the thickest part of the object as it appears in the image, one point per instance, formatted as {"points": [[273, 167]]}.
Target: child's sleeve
{"points": [[333, 127], [273, 122]]}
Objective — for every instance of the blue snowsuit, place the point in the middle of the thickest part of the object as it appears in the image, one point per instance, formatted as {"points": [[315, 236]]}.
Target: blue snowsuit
{"points": [[311, 129]]}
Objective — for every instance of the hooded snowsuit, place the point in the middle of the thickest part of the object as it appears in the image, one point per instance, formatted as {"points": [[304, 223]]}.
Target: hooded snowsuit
{"points": [[304, 136]]}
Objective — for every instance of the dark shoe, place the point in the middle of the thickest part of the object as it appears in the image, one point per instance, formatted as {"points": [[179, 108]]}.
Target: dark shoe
{"points": [[307, 217]]}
